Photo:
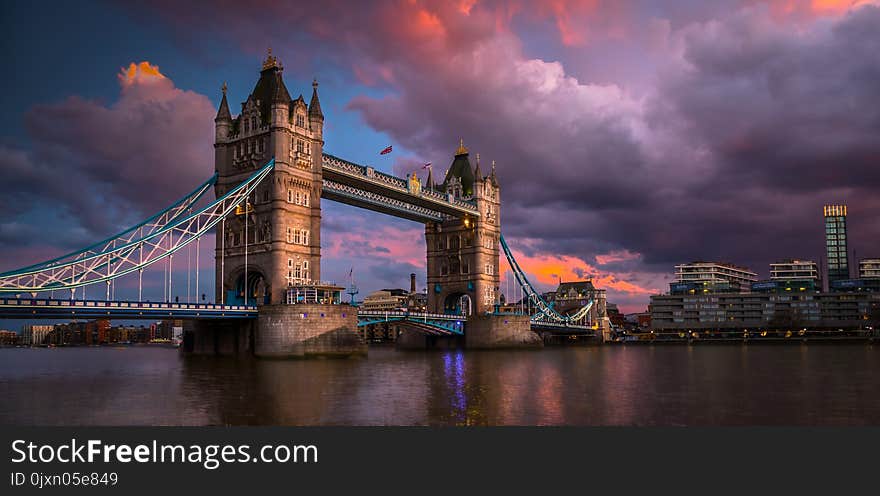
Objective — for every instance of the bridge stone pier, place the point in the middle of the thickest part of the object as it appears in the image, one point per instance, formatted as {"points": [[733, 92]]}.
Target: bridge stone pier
{"points": [[218, 337], [308, 330]]}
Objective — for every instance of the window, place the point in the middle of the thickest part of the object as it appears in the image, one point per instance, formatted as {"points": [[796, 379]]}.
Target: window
{"points": [[298, 197], [300, 120], [254, 123], [305, 270], [298, 236], [300, 146], [266, 195], [465, 268], [490, 269]]}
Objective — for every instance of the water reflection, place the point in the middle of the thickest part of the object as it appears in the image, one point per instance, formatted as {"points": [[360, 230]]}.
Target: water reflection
{"points": [[634, 385]]}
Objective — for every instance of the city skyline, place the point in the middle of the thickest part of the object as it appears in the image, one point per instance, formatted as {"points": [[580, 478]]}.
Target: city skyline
{"points": [[659, 177]]}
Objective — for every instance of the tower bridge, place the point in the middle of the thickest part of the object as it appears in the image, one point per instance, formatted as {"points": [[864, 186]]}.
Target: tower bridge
{"points": [[271, 175]]}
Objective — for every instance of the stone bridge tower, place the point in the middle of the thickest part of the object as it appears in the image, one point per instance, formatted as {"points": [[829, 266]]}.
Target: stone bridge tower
{"points": [[463, 254], [281, 226]]}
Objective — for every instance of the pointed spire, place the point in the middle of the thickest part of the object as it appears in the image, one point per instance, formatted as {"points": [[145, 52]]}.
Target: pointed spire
{"points": [[271, 61], [461, 149], [492, 176], [223, 112], [478, 176], [314, 104]]}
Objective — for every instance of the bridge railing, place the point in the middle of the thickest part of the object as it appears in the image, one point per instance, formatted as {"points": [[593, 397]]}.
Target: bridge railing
{"points": [[411, 315], [45, 302]]}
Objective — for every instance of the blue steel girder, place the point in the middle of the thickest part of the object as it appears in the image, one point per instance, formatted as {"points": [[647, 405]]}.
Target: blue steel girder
{"points": [[432, 323], [350, 195], [368, 179]]}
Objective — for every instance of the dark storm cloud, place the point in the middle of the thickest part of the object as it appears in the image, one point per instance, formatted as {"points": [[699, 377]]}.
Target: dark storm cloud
{"points": [[94, 168]]}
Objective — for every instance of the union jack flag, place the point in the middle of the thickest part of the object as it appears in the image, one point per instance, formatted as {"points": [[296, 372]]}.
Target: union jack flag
{"points": [[426, 165], [385, 151]]}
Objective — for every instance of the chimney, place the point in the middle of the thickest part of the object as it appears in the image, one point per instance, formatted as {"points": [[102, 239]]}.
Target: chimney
{"points": [[412, 283]]}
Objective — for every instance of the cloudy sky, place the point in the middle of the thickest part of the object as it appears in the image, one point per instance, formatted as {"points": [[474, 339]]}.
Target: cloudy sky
{"points": [[628, 135]]}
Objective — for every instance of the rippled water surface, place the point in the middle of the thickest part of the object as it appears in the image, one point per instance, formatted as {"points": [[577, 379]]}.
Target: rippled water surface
{"points": [[611, 385]]}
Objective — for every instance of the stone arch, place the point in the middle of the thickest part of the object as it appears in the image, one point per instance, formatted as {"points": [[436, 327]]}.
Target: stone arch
{"points": [[458, 303], [258, 288]]}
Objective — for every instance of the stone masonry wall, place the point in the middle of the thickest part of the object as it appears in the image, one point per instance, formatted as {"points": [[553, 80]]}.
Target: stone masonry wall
{"points": [[500, 331], [305, 330]]}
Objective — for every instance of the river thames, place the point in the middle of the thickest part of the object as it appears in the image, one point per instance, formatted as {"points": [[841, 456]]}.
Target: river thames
{"points": [[647, 385]]}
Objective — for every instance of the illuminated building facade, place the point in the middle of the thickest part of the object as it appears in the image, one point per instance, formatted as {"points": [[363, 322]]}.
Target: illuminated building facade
{"points": [[711, 277], [835, 242]]}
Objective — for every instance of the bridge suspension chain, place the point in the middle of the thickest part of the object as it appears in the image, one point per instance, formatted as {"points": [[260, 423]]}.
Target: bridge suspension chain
{"points": [[164, 235], [545, 310]]}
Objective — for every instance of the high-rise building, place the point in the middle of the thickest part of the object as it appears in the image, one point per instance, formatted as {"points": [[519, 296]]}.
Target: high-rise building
{"points": [[835, 242]]}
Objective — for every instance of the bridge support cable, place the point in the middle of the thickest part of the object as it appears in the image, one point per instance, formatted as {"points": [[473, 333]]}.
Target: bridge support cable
{"points": [[159, 243], [544, 310]]}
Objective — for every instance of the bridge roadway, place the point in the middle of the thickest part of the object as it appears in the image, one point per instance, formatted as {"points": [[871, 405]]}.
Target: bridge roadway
{"points": [[42, 308], [36, 308]]}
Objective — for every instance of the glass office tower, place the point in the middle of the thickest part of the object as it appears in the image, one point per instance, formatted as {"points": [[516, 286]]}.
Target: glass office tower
{"points": [[835, 242]]}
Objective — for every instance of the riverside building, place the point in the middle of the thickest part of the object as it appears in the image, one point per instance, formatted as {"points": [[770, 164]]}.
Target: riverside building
{"points": [[711, 277], [835, 242], [869, 268]]}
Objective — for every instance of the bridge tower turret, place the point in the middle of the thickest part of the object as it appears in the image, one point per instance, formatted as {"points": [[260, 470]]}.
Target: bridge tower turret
{"points": [[274, 242], [463, 253], [223, 121]]}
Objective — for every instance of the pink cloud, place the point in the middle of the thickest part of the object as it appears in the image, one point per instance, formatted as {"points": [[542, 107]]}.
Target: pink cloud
{"points": [[617, 256]]}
